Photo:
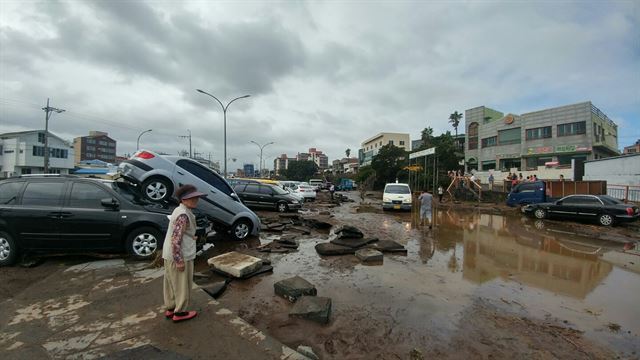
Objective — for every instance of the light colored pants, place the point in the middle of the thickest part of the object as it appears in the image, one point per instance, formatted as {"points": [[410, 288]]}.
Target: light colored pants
{"points": [[425, 213], [177, 285]]}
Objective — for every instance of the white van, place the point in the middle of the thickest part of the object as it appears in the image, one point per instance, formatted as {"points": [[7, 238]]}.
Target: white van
{"points": [[396, 196], [316, 183]]}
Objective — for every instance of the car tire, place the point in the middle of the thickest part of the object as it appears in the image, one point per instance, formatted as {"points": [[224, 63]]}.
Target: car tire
{"points": [[241, 229], [282, 207], [8, 249], [144, 242], [522, 206], [540, 213], [157, 189], [605, 220]]}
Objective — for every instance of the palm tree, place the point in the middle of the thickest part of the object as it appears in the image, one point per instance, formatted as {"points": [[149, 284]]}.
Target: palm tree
{"points": [[347, 152], [454, 119]]}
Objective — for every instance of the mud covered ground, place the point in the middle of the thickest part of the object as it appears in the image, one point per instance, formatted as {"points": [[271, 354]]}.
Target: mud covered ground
{"points": [[477, 285]]}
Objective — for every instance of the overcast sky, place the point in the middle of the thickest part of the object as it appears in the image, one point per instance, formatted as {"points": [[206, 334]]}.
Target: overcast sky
{"points": [[324, 74]]}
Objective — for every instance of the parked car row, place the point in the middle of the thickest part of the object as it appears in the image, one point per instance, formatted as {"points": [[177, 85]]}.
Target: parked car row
{"points": [[603, 209]]}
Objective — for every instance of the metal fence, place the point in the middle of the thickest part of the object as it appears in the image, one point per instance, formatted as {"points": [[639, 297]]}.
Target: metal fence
{"points": [[624, 192]]}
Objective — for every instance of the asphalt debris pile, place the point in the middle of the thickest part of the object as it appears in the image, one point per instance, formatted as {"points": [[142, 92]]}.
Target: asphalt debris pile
{"points": [[350, 240], [286, 243], [293, 222], [307, 305]]}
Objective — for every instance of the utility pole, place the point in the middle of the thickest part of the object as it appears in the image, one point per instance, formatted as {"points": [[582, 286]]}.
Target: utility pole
{"points": [[189, 137], [261, 147], [48, 110]]}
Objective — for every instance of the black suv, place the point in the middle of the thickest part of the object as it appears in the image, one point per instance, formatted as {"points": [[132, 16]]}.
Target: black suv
{"points": [[73, 214], [266, 196]]}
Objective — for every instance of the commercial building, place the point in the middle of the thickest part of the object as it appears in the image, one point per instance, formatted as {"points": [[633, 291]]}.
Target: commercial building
{"points": [[97, 146], [318, 157], [249, 170], [370, 147], [556, 137], [281, 163], [632, 149], [23, 153], [345, 166]]}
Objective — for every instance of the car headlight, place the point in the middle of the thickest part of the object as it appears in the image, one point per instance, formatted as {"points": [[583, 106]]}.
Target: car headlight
{"points": [[294, 201], [407, 201], [386, 199]]}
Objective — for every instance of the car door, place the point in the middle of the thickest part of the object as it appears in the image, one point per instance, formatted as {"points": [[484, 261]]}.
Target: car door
{"points": [[568, 207], [251, 195], [85, 223], [589, 209], [9, 192], [267, 197], [37, 217]]}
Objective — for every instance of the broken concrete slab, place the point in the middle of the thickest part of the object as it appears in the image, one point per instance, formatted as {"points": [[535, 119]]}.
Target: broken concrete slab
{"points": [[353, 242], [263, 269], [333, 249], [313, 308], [389, 246], [215, 290], [317, 224], [369, 255], [294, 287], [235, 264], [307, 351], [348, 231], [300, 229], [288, 239]]}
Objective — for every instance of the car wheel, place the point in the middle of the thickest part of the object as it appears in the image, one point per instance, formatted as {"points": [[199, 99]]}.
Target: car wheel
{"points": [[605, 220], [8, 249], [540, 213], [241, 229], [144, 242], [282, 207], [522, 206], [157, 189]]}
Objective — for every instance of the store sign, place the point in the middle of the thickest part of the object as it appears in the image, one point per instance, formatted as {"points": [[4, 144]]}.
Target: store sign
{"points": [[540, 150], [426, 152], [571, 148], [508, 119], [508, 156]]}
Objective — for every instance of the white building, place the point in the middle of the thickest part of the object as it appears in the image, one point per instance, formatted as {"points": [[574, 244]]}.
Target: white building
{"points": [[23, 153], [370, 147]]}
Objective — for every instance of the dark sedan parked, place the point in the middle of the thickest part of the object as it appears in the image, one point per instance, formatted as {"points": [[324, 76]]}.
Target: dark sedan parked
{"points": [[267, 196], [73, 214], [604, 209]]}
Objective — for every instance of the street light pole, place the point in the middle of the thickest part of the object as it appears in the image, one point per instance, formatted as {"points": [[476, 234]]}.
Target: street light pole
{"points": [[224, 111], [138, 142], [261, 147], [48, 110]]}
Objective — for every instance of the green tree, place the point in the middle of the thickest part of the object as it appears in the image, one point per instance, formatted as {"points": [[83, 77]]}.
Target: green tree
{"points": [[364, 173], [454, 119], [347, 152], [426, 135], [300, 170], [388, 164]]}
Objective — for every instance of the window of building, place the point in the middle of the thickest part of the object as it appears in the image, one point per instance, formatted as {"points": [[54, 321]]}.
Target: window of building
{"points": [[538, 133], [85, 195], [41, 138], [89, 155], [490, 141], [0, 150], [575, 128], [390, 142], [42, 194], [91, 148], [488, 165], [508, 137], [473, 136], [91, 141], [534, 162], [401, 142], [508, 164], [38, 151], [103, 143], [9, 151]]}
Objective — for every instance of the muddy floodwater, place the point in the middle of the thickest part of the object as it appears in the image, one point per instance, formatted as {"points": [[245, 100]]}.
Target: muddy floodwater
{"points": [[476, 285]]}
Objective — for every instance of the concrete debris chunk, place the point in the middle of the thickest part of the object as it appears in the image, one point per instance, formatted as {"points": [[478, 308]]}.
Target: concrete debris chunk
{"points": [[333, 249], [307, 351], [235, 264], [294, 287], [353, 242], [317, 224], [313, 308], [369, 255], [348, 231], [389, 246]]}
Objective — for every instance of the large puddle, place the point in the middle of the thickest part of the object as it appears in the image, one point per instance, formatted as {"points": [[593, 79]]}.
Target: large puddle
{"points": [[522, 267]]}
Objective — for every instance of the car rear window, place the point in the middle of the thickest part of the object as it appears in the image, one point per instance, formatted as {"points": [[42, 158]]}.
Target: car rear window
{"points": [[609, 200], [397, 189], [9, 192]]}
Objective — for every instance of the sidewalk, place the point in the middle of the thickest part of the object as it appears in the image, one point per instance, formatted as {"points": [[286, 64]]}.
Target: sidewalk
{"points": [[100, 308]]}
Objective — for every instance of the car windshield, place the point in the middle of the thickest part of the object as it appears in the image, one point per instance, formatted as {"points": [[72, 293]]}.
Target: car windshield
{"points": [[280, 191], [397, 189], [609, 200]]}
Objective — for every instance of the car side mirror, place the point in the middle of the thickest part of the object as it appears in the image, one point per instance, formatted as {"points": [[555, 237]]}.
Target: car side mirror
{"points": [[110, 203], [558, 202], [235, 197]]}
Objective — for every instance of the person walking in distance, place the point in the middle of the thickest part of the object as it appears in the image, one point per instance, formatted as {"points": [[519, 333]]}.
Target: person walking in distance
{"points": [[178, 252], [332, 189], [425, 207], [491, 180], [440, 193]]}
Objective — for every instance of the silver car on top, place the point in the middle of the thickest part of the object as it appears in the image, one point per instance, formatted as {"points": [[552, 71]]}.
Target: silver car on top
{"points": [[160, 175]]}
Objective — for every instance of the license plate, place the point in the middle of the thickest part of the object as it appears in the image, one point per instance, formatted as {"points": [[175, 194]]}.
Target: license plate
{"points": [[396, 206]]}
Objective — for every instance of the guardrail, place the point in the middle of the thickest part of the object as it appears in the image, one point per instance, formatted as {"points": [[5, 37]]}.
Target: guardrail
{"points": [[624, 192]]}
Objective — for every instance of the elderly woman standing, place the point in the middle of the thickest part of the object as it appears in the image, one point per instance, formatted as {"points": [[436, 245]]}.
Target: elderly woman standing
{"points": [[178, 252]]}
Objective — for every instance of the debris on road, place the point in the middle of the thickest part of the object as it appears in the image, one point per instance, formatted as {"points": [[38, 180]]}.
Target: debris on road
{"points": [[348, 231], [369, 255], [313, 308], [389, 246], [216, 289], [236, 264], [353, 242], [333, 249], [307, 351], [284, 244], [293, 288]]}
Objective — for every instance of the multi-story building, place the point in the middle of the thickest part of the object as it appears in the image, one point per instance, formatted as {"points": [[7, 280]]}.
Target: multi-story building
{"points": [[550, 137], [97, 146], [281, 163], [370, 147], [345, 166], [319, 158], [23, 153], [249, 170], [632, 149]]}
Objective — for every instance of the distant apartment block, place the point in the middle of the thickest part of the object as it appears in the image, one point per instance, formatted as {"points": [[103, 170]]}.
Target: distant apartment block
{"points": [[318, 157], [632, 149], [23, 153], [97, 146], [370, 147], [249, 170], [549, 137], [345, 166]]}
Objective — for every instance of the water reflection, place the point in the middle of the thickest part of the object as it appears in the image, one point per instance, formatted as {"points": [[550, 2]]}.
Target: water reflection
{"points": [[496, 246]]}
